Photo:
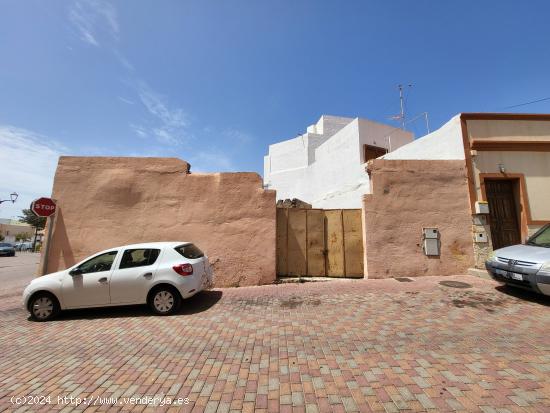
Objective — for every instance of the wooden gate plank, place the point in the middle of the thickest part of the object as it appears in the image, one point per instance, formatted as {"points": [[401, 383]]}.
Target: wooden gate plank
{"points": [[281, 231], [334, 243], [353, 242], [315, 243], [297, 242]]}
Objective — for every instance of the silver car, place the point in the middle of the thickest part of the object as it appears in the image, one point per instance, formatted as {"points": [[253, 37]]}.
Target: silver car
{"points": [[524, 265]]}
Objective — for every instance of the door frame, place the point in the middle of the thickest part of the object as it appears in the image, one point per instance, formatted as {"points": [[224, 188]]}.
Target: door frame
{"points": [[520, 193]]}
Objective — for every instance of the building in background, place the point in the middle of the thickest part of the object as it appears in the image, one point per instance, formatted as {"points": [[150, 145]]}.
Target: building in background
{"points": [[325, 166], [11, 228]]}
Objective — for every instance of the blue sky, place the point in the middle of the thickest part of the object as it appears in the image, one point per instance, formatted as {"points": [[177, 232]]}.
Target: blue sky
{"points": [[215, 82]]}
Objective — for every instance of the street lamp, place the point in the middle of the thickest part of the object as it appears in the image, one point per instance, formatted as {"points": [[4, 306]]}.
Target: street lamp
{"points": [[13, 198]]}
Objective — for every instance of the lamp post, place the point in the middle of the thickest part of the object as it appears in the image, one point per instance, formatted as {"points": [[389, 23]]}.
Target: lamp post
{"points": [[13, 198]]}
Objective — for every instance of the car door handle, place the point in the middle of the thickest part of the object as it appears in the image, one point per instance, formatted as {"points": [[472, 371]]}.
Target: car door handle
{"points": [[102, 280], [148, 274]]}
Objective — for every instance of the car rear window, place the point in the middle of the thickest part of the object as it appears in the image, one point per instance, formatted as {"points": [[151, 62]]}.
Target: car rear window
{"points": [[5, 244], [190, 251], [138, 258]]}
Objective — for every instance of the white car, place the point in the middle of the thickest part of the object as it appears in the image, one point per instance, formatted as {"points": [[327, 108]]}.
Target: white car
{"points": [[160, 274]]}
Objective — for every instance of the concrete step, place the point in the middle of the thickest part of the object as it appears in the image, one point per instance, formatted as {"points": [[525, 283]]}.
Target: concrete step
{"points": [[286, 280]]}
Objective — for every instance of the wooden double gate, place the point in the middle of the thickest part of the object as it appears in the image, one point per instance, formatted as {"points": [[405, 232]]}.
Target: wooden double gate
{"points": [[319, 243]]}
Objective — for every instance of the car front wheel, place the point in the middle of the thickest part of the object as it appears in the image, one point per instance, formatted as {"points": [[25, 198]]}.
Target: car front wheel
{"points": [[165, 300], [43, 307]]}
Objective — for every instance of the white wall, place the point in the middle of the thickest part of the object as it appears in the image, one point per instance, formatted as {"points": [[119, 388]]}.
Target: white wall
{"points": [[336, 169], [444, 143], [333, 176], [328, 125], [289, 154], [287, 165]]}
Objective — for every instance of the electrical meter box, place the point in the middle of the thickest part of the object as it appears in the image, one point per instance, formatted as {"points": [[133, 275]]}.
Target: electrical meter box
{"points": [[430, 241], [431, 246], [482, 207], [480, 219], [430, 233], [481, 237]]}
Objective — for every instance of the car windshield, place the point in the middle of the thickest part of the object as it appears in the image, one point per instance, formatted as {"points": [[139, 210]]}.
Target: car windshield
{"points": [[541, 238], [5, 244]]}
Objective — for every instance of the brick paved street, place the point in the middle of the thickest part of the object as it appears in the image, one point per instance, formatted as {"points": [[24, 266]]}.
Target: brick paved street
{"points": [[378, 345]]}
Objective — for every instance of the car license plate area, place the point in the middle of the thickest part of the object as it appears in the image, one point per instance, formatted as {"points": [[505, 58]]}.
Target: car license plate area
{"points": [[510, 274]]}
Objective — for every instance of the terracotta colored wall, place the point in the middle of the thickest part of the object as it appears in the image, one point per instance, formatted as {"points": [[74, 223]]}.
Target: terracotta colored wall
{"points": [[107, 202], [408, 195]]}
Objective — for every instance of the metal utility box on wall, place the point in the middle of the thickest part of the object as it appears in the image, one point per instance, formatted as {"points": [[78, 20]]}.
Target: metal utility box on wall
{"points": [[430, 238], [430, 233], [481, 237], [479, 219], [482, 207]]}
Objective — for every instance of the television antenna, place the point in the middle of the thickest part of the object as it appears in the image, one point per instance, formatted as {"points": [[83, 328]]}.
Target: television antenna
{"points": [[401, 116]]}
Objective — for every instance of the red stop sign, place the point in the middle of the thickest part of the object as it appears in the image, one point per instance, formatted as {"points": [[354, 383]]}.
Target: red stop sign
{"points": [[43, 207]]}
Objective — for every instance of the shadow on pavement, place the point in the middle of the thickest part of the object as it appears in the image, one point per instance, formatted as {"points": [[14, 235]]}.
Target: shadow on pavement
{"points": [[525, 295], [196, 304]]}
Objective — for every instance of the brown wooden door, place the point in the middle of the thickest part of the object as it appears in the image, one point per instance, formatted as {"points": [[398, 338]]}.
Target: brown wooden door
{"points": [[503, 213]]}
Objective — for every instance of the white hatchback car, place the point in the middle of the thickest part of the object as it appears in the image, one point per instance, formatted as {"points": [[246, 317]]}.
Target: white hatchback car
{"points": [[160, 274]]}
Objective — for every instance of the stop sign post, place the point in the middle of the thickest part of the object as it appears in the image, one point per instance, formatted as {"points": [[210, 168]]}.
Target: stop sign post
{"points": [[43, 207]]}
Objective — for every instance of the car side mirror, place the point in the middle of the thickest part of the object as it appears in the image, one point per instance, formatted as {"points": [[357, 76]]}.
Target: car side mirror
{"points": [[76, 271]]}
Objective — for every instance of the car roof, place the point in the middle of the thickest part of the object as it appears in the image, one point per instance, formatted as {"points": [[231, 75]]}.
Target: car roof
{"points": [[157, 244], [160, 244]]}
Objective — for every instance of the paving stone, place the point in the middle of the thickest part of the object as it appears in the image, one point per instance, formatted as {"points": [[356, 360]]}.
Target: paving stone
{"points": [[425, 401]]}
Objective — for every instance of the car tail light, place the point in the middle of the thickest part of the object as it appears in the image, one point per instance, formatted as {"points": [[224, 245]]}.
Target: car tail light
{"points": [[183, 269]]}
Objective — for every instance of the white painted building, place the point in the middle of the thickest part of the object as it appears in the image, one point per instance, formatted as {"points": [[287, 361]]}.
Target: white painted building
{"points": [[443, 144], [325, 166]]}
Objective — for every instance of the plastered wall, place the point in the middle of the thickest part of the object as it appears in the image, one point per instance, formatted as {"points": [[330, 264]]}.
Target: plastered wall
{"points": [[408, 195], [105, 202]]}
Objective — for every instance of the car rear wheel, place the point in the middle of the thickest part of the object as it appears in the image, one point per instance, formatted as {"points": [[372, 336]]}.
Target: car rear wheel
{"points": [[164, 300], [43, 306]]}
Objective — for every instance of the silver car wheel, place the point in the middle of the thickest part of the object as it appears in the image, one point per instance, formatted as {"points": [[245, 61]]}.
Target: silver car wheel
{"points": [[163, 301], [42, 308]]}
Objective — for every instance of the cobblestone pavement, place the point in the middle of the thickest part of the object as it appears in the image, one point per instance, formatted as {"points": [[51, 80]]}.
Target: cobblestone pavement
{"points": [[340, 346]]}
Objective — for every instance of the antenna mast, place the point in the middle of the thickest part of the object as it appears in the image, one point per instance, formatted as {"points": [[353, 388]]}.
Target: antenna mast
{"points": [[401, 116], [401, 101]]}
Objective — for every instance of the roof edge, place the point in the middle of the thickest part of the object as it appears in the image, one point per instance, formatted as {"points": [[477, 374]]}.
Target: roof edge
{"points": [[504, 116]]}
